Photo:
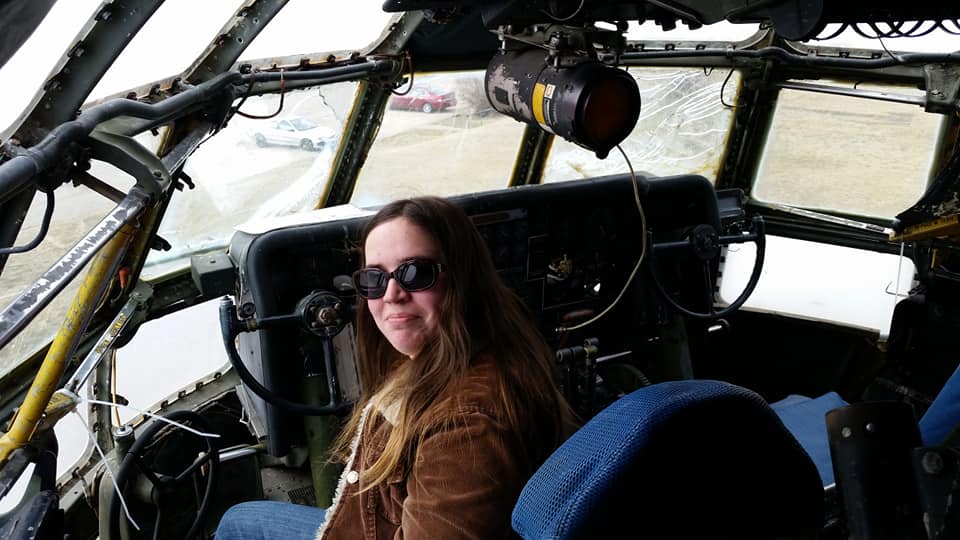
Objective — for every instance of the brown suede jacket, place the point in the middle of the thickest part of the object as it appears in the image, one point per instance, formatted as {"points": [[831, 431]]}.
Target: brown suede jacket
{"points": [[463, 484]]}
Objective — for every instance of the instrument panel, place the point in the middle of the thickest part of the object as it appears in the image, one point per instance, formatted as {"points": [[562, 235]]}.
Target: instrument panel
{"points": [[567, 249]]}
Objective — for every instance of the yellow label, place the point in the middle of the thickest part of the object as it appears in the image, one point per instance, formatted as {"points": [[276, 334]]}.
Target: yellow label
{"points": [[538, 90]]}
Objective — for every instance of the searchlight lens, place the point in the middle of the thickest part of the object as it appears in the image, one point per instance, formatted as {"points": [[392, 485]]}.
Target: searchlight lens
{"points": [[590, 104]]}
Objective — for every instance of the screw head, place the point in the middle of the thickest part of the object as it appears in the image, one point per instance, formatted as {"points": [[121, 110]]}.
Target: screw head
{"points": [[932, 462]]}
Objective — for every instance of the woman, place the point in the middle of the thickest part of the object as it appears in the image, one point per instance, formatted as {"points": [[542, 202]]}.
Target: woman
{"points": [[460, 402]]}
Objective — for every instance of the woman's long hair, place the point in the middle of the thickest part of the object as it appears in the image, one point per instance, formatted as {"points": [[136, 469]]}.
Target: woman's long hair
{"points": [[479, 315]]}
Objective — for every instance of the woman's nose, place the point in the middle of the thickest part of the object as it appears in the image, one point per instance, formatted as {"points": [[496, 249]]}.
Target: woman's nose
{"points": [[395, 293]]}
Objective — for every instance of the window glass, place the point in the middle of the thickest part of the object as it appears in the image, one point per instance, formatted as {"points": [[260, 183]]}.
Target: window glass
{"points": [[301, 27], [815, 281], [194, 24], [305, 26], [76, 211], [683, 128], [26, 71], [441, 138], [254, 169], [844, 154]]}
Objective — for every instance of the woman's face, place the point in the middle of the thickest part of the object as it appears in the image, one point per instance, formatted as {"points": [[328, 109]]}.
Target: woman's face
{"points": [[406, 319]]}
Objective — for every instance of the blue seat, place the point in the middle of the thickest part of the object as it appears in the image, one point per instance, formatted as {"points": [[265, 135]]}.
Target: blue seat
{"points": [[683, 459], [804, 417], [943, 416]]}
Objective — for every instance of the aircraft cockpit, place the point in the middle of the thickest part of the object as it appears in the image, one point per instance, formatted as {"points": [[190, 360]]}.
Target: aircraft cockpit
{"points": [[734, 223]]}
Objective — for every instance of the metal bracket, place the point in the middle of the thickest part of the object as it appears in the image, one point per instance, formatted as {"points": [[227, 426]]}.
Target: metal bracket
{"points": [[938, 478], [133, 310], [563, 43], [133, 158], [943, 88]]}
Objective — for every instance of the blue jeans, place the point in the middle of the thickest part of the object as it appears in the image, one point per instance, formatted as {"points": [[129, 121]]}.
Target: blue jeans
{"points": [[270, 520]]}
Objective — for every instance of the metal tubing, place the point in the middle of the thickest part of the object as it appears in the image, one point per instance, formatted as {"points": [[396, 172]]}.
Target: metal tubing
{"points": [[16, 173], [65, 343], [853, 92], [28, 304]]}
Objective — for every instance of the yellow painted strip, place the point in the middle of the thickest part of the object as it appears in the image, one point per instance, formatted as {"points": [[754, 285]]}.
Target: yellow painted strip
{"points": [[48, 377], [537, 103], [944, 226]]}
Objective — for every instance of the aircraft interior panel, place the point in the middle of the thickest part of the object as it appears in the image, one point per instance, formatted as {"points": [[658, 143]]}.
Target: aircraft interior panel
{"points": [[567, 249]]}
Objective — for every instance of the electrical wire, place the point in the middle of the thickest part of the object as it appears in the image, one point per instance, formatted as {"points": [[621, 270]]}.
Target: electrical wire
{"points": [[409, 61], [895, 29], [723, 87], [41, 234], [842, 29], [643, 251], [113, 386], [106, 466], [956, 23], [257, 117], [895, 57], [896, 288]]}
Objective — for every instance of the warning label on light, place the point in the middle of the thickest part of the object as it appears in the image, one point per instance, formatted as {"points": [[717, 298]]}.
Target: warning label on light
{"points": [[542, 95]]}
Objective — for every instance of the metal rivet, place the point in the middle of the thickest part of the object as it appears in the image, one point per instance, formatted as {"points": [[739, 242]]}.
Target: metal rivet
{"points": [[846, 432]]}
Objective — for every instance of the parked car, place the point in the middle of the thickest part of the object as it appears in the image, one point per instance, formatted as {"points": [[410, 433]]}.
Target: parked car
{"points": [[425, 99], [296, 131]]}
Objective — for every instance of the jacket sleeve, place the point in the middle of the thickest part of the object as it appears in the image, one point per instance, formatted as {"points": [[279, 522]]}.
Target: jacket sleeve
{"points": [[463, 484]]}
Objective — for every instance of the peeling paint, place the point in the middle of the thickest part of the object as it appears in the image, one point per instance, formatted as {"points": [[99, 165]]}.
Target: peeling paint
{"points": [[32, 300]]}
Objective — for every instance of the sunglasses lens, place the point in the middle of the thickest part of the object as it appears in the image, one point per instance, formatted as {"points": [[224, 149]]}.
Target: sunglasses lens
{"points": [[411, 276], [415, 275], [370, 282]]}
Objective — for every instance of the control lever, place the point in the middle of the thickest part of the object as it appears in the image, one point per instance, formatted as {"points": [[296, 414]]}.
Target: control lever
{"points": [[579, 373], [320, 313]]}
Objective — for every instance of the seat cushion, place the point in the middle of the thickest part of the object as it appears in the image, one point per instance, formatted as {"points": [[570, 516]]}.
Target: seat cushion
{"points": [[702, 459], [804, 417]]}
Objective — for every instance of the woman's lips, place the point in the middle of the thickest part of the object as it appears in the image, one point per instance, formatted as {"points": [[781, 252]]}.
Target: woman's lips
{"points": [[400, 318]]}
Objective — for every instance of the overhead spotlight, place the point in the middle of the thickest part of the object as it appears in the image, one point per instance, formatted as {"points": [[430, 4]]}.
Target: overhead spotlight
{"points": [[588, 103]]}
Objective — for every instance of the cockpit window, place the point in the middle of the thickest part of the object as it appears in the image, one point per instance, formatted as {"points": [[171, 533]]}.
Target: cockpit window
{"points": [[77, 210], [255, 169], [27, 70], [305, 26], [140, 63], [844, 154], [444, 139], [301, 27], [683, 127]]}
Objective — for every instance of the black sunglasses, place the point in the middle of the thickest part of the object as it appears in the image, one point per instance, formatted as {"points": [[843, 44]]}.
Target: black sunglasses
{"points": [[413, 275]]}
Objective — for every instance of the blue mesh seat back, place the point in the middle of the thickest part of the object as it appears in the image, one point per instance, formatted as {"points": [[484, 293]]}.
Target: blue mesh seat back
{"points": [[702, 459], [943, 416], [806, 419]]}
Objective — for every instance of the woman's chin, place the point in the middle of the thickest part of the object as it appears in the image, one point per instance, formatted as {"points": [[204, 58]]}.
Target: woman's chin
{"points": [[408, 348]]}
